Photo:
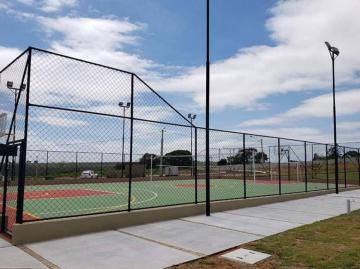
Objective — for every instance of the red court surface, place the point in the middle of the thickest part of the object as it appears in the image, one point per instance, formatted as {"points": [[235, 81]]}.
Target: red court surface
{"points": [[51, 194]]}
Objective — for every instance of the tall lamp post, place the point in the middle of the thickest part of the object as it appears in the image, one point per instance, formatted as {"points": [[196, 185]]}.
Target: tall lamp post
{"points": [[334, 53], [16, 91], [207, 136], [191, 117], [124, 107]]}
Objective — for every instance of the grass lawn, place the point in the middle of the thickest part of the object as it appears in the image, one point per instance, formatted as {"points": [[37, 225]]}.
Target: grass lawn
{"points": [[333, 243]]}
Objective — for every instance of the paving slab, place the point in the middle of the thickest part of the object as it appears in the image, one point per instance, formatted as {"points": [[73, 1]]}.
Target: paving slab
{"points": [[111, 249], [13, 257], [280, 214], [4, 243], [194, 237], [252, 225]]}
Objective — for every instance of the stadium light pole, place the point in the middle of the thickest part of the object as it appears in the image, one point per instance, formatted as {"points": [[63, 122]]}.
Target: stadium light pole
{"points": [[207, 137], [124, 107], [334, 53], [16, 91], [191, 117]]}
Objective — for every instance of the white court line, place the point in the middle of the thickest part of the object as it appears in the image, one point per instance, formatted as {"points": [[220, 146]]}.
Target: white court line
{"points": [[99, 209]]}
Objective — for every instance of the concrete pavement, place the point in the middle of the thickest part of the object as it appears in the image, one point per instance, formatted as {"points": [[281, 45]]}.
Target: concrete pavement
{"points": [[159, 245]]}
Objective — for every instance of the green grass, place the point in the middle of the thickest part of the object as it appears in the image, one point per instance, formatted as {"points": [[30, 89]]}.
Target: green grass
{"points": [[328, 244]]}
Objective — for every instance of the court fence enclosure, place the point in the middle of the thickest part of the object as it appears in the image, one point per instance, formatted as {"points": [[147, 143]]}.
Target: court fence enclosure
{"points": [[90, 139]]}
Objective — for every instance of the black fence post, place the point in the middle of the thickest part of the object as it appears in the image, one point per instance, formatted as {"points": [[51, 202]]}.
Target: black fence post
{"points": [[4, 200], [358, 161], [306, 172], [101, 164], [279, 166], [345, 176], [131, 140], [76, 164], [47, 164], [195, 167], [327, 166], [312, 162], [23, 146], [244, 165]]}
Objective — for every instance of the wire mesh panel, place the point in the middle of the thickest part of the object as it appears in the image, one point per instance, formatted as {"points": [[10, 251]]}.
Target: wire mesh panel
{"points": [[164, 150], [352, 166], [13, 92], [318, 178], [293, 166]]}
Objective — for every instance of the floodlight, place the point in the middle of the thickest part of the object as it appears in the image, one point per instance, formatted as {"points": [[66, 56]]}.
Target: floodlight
{"points": [[189, 115], [22, 87], [333, 50], [128, 104], [121, 104], [194, 117], [9, 84], [328, 45]]}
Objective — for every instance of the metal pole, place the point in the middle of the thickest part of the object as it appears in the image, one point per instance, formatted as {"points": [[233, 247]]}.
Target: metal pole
{"points": [[161, 152], [123, 143], [244, 165], [306, 174], [327, 167], [131, 140], [345, 179], [191, 149], [358, 160], [312, 162], [289, 172], [22, 158], [101, 164], [334, 118], [279, 166], [47, 164], [3, 213], [76, 164], [207, 161], [196, 172], [262, 150]]}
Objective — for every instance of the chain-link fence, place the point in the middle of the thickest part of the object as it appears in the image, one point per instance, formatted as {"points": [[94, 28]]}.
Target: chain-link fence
{"points": [[96, 139]]}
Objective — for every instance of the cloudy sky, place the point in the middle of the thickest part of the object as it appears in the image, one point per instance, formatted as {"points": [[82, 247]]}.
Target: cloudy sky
{"points": [[271, 72]]}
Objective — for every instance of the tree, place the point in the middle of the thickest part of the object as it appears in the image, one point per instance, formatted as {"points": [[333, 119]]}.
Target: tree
{"points": [[178, 158], [146, 159], [242, 155], [352, 154], [261, 157], [222, 162], [331, 152]]}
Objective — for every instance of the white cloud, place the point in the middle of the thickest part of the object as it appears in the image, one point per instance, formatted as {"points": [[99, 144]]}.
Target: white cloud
{"points": [[56, 5], [297, 62], [60, 122], [7, 55], [349, 125], [347, 103]]}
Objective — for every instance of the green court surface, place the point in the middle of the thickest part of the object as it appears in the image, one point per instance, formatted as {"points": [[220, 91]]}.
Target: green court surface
{"points": [[52, 201]]}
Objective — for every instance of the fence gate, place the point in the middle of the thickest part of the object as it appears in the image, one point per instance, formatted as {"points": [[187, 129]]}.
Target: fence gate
{"points": [[9, 157]]}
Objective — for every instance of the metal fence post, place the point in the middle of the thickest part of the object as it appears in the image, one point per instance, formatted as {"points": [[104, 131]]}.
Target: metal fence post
{"points": [[306, 172], [23, 146], [344, 157], [327, 166], [196, 168], [279, 166], [47, 164], [4, 200], [101, 164], [244, 165], [131, 140], [358, 161], [76, 164]]}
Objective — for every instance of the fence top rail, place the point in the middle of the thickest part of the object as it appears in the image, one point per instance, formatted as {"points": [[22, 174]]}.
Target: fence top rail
{"points": [[81, 60]]}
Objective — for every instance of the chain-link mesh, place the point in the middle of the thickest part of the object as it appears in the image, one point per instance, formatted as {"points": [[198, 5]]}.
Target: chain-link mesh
{"points": [[13, 92], [101, 140]]}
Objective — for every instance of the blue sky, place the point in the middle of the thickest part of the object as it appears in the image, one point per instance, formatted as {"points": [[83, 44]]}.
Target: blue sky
{"points": [[270, 73]]}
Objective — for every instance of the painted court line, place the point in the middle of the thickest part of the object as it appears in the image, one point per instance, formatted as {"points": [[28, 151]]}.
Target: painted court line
{"points": [[164, 244]]}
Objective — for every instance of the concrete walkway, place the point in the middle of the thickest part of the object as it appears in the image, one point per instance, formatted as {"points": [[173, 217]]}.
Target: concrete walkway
{"points": [[163, 244]]}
